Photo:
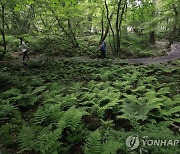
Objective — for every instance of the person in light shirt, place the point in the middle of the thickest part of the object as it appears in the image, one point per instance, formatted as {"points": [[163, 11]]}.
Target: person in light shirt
{"points": [[24, 49]]}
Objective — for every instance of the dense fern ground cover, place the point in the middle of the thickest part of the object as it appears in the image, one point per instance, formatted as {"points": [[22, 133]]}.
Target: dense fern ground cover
{"points": [[82, 107]]}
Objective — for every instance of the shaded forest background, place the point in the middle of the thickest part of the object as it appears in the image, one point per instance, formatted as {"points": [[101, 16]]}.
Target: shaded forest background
{"points": [[130, 27]]}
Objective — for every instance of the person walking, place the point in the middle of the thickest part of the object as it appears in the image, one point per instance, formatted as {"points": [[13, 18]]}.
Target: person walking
{"points": [[24, 49], [103, 50]]}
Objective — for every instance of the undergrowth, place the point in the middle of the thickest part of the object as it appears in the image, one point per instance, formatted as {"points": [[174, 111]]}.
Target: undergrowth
{"points": [[137, 46], [52, 45], [80, 107]]}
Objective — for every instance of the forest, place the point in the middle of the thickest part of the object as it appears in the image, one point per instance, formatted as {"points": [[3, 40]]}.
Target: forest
{"points": [[89, 76]]}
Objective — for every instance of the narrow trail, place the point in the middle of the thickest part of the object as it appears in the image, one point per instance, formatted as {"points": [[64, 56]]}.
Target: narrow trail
{"points": [[174, 54]]}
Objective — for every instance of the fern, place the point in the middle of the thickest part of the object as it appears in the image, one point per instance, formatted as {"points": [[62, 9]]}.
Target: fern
{"points": [[6, 112], [172, 111], [91, 84], [164, 90], [11, 96], [150, 94], [26, 139], [140, 89], [93, 143], [112, 104], [149, 79], [105, 85], [139, 110], [110, 147], [71, 118], [47, 142], [131, 98], [176, 99], [41, 115], [69, 101], [7, 133], [106, 99], [15, 96], [38, 90], [131, 77], [10, 93], [54, 107], [48, 113]]}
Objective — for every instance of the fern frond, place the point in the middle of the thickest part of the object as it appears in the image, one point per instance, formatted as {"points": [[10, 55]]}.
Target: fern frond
{"points": [[11, 92], [41, 114], [72, 118], [139, 110], [174, 110], [164, 90], [150, 94], [111, 147], [93, 143], [69, 101], [176, 99], [26, 139], [91, 84], [5, 111], [38, 90], [47, 141], [131, 98], [50, 112]]}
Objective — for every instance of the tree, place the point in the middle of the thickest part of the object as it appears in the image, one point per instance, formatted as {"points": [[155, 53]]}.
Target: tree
{"points": [[174, 32], [2, 29], [152, 35], [120, 10], [119, 18]]}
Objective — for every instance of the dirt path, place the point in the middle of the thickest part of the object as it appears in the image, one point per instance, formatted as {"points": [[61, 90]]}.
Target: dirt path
{"points": [[174, 54]]}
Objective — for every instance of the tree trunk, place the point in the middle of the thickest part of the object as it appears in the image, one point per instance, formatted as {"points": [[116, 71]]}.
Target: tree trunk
{"points": [[120, 22], [3, 30], [106, 30], [72, 34], [102, 27], [117, 28], [109, 21], [152, 37], [173, 33]]}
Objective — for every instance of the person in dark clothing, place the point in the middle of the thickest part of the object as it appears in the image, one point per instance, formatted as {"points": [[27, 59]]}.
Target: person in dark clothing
{"points": [[24, 49], [103, 50]]}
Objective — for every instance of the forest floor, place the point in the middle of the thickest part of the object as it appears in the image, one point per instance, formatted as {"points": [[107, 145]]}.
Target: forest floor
{"points": [[172, 55], [75, 104]]}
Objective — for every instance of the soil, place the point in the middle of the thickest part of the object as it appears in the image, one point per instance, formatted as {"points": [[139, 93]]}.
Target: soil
{"points": [[172, 55]]}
